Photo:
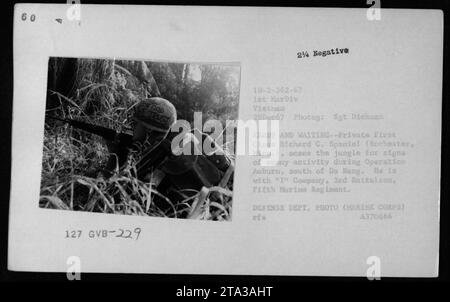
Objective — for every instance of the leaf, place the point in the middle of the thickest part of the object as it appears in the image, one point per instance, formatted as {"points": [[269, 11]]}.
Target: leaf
{"points": [[198, 203]]}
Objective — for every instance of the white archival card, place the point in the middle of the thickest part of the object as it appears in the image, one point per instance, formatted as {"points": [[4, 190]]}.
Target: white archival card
{"points": [[348, 186]]}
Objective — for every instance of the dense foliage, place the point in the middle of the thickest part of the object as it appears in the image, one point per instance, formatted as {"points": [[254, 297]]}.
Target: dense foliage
{"points": [[105, 92]]}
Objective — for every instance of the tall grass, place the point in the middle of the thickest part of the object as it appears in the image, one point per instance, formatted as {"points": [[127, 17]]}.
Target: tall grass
{"points": [[106, 95]]}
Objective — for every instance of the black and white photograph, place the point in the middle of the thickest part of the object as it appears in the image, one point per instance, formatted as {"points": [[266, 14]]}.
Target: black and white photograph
{"points": [[244, 146], [107, 138]]}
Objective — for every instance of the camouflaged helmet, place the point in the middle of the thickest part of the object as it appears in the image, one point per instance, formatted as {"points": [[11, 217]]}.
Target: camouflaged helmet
{"points": [[156, 114]]}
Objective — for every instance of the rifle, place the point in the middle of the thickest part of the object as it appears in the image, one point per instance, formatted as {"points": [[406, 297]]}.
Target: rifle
{"points": [[119, 144]]}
